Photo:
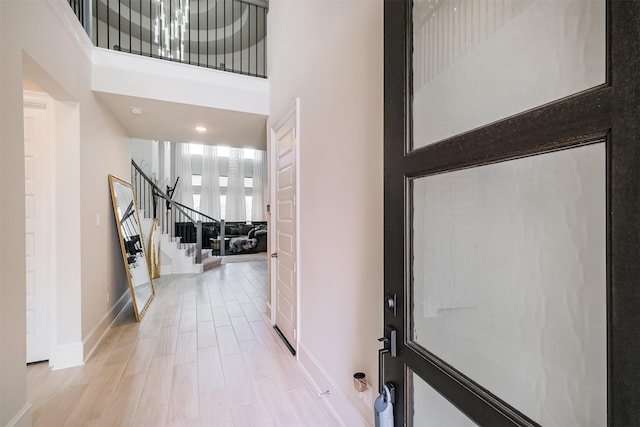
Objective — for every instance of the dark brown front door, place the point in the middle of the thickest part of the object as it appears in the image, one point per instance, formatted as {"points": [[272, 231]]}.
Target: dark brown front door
{"points": [[512, 211]]}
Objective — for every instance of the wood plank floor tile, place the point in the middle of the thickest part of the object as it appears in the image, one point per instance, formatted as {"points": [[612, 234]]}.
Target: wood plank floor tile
{"points": [[274, 403], [309, 408], [207, 335], [227, 342], [221, 316], [213, 412], [239, 386], [187, 348], [168, 341], [259, 363], [183, 401], [210, 374], [140, 358], [216, 299], [250, 415], [121, 411], [55, 410], [172, 317], [204, 313], [188, 321], [242, 329], [233, 308], [203, 355], [242, 297], [154, 400], [90, 407], [195, 422], [152, 325], [250, 312]]}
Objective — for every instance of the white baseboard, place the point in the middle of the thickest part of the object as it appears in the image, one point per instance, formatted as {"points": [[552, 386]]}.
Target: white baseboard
{"points": [[67, 356], [22, 418], [342, 409], [268, 313], [95, 336]]}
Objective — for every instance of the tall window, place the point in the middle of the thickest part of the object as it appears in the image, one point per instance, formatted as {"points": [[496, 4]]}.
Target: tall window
{"points": [[247, 156]]}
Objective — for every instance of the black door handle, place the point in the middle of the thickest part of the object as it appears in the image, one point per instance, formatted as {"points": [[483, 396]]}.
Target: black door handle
{"points": [[390, 346]]}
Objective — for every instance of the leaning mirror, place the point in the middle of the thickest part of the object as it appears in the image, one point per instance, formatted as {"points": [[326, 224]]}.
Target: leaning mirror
{"points": [[132, 245]]}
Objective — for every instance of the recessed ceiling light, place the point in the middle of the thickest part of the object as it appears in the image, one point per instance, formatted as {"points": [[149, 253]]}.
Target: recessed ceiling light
{"points": [[201, 128], [136, 110]]}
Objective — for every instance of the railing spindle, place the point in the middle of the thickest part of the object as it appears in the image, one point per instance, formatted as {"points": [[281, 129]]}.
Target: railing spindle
{"points": [[130, 26], [247, 22], [264, 42], [256, 40], [150, 31], [224, 23], [233, 36]]}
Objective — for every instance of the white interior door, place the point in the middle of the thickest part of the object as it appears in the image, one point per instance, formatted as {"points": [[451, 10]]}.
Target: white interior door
{"points": [[286, 307], [37, 220]]}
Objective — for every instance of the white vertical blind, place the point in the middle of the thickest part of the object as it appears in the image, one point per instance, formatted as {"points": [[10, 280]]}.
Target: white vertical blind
{"points": [[184, 190], [222, 182], [259, 183], [236, 203], [210, 192]]}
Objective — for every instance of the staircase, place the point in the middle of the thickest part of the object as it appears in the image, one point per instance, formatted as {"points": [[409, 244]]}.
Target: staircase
{"points": [[156, 207]]}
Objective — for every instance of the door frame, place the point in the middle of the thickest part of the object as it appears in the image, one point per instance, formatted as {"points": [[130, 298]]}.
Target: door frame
{"points": [[292, 110], [608, 112]]}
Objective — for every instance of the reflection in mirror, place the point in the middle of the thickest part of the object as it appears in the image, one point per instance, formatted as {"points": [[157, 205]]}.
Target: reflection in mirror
{"points": [[131, 244]]}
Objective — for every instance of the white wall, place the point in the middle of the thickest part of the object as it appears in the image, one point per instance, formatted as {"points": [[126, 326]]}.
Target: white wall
{"points": [[44, 42], [330, 55], [139, 76], [13, 394], [142, 152]]}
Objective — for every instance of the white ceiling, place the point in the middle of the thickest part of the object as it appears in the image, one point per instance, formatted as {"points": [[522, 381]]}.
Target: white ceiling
{"points": [[170, 121]]}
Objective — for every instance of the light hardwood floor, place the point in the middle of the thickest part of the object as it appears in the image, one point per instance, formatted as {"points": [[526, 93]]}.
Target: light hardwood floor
{"points": [[203, 355]]}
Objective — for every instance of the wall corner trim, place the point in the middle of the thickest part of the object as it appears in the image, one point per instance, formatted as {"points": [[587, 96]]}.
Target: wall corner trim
{"points": [[22, 418], [90, 343], [67, 356], [345, 413]]}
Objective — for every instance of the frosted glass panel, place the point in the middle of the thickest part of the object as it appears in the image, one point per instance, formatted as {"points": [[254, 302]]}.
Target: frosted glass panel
{"points": [[475, 62], [509, 281], [430, 409]]}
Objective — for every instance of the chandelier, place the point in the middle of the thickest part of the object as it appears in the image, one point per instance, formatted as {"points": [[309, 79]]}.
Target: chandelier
{"points": [[170, 26]]}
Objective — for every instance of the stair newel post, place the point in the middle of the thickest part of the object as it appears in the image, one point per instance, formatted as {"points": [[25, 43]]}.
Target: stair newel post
{"points": [[222, 237], [198, 242]]}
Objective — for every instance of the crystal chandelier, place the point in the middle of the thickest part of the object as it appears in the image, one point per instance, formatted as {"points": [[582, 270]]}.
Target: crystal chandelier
{"points": [[170, 26]]}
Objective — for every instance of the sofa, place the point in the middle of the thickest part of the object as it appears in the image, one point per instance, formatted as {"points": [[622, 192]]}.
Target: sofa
{"points": [[242, 238]]}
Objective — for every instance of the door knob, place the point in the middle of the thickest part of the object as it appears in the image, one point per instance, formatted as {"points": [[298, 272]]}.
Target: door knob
{"points": [[274, 255], [390, 302]]}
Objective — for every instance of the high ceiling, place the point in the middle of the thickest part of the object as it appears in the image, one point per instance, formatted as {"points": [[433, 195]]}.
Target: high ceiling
{"points": [[169, 121]]}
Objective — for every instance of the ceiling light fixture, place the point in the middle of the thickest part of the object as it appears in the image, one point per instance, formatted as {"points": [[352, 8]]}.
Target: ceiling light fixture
{"points": [[136, 111], [201, 128]]}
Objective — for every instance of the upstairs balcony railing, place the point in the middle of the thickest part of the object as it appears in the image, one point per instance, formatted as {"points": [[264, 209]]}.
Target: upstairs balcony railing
{"points": [[228, 35]]}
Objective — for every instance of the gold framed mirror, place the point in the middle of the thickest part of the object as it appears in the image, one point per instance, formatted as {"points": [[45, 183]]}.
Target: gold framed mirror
{"points": [[125, 210]]}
